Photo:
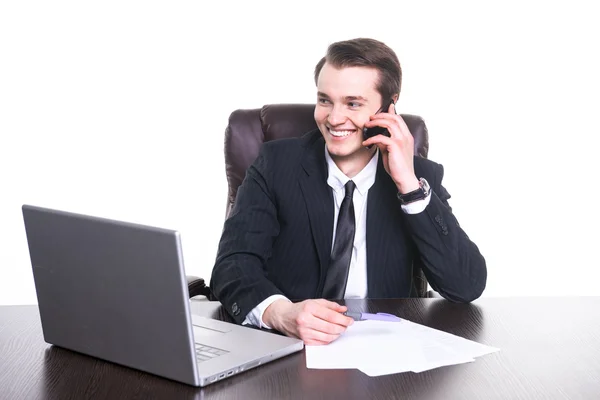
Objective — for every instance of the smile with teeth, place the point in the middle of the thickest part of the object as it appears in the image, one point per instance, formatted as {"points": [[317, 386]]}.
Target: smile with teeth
{"points": [[340, 133]]}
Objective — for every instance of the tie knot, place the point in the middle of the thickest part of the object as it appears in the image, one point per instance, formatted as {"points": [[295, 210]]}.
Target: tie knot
{"points": [[349, 189]]}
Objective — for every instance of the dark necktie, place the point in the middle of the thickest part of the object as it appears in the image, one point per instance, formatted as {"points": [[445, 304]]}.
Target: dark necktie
{"points": [[339, 264]]}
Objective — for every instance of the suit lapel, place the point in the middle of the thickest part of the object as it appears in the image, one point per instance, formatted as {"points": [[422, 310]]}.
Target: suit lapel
{"points": [[319, 200]]}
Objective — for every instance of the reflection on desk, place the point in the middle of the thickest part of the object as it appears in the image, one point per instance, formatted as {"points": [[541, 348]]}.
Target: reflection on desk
{"points": [[550, 348]]}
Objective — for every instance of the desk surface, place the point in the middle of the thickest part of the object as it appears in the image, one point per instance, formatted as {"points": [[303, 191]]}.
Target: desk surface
{"points": [[550, 348]]}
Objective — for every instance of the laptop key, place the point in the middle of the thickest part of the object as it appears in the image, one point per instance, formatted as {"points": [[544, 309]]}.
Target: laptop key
{"points": [[204, 353], [207, 354]]}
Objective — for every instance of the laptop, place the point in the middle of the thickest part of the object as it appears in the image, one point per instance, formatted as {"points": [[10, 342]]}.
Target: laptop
{"points": [[117, 291]]}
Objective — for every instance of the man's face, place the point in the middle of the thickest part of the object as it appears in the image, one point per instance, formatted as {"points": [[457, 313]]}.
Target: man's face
{"points": [[346, 98]]}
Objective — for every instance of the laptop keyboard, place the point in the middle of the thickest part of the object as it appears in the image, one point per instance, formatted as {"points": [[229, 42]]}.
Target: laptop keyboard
{"points": [[204, 353]]}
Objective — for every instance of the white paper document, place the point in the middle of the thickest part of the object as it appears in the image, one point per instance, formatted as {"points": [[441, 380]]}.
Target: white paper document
{"points": [[381, 348]]}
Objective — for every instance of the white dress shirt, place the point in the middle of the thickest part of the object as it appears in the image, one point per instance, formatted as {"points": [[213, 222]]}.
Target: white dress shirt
{"points": [[356, 286]]}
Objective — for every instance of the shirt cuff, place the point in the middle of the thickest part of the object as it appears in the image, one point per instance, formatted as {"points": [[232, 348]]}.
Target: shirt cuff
{"points": [[416, 206], [254, 317]]}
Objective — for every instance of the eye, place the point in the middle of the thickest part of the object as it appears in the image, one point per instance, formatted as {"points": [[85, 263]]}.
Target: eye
{"points": [[323, 101], [354, 104]]}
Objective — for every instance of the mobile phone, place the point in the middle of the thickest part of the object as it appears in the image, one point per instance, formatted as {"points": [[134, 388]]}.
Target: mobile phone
{"points": [[378, 130]]}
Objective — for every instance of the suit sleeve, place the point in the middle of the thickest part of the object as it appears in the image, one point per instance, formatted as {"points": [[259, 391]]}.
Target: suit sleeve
{"points": [[238, 278], [451, 262]]}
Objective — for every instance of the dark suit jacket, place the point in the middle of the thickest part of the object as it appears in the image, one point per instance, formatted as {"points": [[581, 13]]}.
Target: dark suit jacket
{"points": [[278, 238]]}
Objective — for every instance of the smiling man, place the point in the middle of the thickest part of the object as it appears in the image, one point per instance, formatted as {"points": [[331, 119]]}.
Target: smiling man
{"points": [[331, 216]]}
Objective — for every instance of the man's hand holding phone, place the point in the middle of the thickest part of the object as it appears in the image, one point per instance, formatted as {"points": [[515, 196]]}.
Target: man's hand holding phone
{"points": [[397, 150], [316, 322]]}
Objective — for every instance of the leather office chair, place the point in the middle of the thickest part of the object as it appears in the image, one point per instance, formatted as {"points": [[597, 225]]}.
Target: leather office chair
{"points": [[249, 129]]}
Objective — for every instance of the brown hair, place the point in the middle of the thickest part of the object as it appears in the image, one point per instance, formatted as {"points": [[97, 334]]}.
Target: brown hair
{"points": [[371, 53]]}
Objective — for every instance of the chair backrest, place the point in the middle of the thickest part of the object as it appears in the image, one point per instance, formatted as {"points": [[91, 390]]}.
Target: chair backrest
{"points": [[249, 129]]}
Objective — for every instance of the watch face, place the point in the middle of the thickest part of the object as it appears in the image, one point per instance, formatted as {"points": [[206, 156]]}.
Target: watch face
{"points": [[425, 186]]}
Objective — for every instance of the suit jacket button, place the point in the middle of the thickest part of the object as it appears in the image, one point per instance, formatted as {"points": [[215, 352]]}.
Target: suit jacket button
{"points": [[235, 309], [438, 219]]}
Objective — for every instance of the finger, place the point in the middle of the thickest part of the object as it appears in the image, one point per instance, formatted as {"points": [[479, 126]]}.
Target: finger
{"points": [[332, 305], [403, 125], [319, 324], [322, 319], [332, 318], [314, 342], [390, 124], [392, 108], [383, 149], [380, 141], [392, 118], [316, 336], [390, 115], [404, 128]]}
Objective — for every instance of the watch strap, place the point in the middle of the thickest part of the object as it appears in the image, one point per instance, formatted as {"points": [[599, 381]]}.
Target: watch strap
{"points": [[416, 195]]}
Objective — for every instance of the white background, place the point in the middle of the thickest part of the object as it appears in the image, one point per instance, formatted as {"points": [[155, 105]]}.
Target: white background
{"points": [[118, 109]]}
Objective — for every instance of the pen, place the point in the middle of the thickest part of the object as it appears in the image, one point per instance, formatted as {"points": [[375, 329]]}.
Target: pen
{"points": [[361, 316]]}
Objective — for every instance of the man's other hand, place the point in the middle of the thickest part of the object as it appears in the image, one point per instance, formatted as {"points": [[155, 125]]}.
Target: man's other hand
{"points": [[316, 322]]}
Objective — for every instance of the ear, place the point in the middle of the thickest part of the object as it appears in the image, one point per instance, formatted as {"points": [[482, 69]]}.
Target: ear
{"points": [[395, 98]]}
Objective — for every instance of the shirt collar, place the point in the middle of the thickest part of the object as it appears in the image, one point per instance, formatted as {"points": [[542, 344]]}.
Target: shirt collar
{"points": [[363, 180]]}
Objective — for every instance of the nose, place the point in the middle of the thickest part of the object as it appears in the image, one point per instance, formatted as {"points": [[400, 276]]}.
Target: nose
{"points": [[336, 116]]}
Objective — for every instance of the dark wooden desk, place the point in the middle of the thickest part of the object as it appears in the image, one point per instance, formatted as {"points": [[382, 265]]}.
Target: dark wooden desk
{"points": [[550, 349]]}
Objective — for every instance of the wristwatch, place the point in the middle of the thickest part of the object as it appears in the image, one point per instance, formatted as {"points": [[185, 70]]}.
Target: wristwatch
{"points": [[419, 194]]}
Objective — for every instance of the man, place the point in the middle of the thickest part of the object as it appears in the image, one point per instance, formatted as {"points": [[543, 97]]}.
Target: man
{"points": [[331, 216]]}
